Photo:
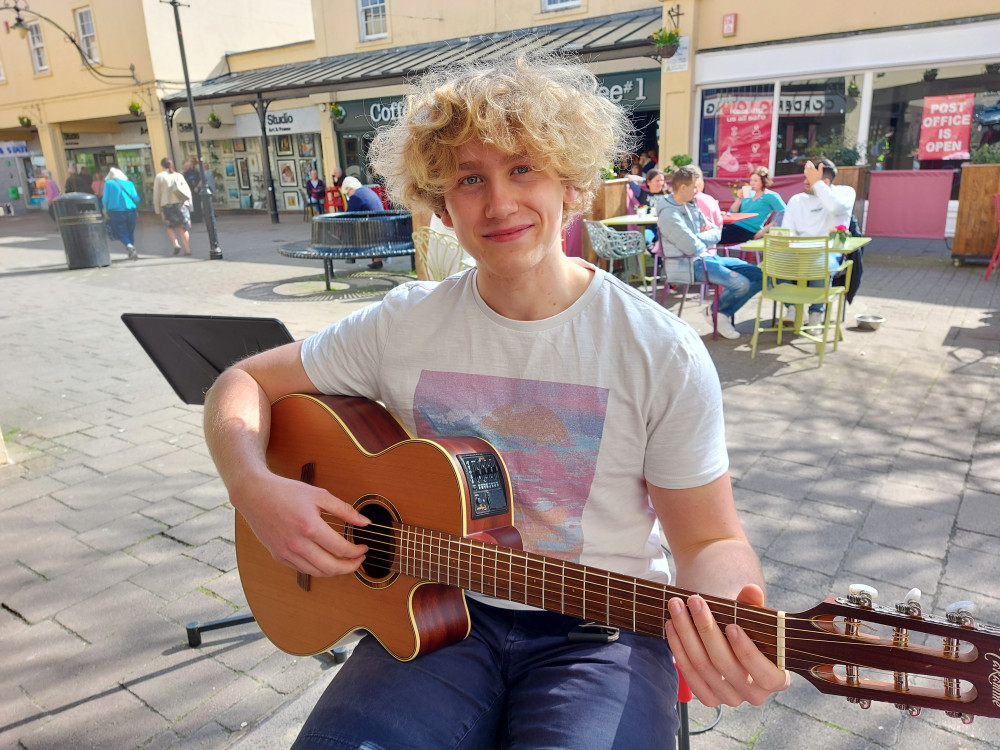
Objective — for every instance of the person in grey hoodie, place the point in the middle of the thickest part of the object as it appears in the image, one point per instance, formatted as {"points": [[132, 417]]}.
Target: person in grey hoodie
{"points": [[686, 233]]}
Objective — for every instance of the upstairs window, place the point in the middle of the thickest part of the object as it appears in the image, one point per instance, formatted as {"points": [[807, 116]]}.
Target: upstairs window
{"points": [[372, 19], [37, 46], [2, 76], [85, 34], [548, 5]]}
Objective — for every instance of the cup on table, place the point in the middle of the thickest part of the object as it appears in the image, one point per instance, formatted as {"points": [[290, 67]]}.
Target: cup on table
{"points": [[745, 191]]}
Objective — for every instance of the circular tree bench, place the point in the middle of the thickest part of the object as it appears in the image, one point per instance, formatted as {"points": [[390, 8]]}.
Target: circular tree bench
{"points": [[356, 234]]}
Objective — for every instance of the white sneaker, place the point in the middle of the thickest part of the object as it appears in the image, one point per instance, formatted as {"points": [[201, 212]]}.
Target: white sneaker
{"points": [[789, 317], [723, 325], [815, 318], [132, 254]]}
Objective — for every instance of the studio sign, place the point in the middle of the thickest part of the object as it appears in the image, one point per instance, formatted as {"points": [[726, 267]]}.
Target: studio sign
{"points": [[281, 123]]}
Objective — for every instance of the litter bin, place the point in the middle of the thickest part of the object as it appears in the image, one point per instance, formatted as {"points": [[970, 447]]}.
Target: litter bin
{"points": [[81, 225]]}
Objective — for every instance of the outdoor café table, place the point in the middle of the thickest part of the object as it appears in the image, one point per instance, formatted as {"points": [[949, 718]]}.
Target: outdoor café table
{"points": [[624, 221], [853, 243]]}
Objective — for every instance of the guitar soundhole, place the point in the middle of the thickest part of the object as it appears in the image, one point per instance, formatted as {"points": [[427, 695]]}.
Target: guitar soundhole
{"points": [[380, 536]]}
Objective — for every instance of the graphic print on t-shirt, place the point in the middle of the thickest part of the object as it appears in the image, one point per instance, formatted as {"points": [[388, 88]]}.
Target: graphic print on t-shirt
{"points": [[549, 435]]}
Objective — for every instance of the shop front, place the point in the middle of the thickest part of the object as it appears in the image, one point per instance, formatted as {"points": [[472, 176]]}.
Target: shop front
{"points": [[128, 148], [235, 156], [20, 186]]}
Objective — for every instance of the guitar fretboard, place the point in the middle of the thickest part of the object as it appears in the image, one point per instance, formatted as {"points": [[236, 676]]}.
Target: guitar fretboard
{"points": [[587, 593]]}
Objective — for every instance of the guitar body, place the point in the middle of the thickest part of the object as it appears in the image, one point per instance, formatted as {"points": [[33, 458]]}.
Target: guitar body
{"points": [[358, 452]]}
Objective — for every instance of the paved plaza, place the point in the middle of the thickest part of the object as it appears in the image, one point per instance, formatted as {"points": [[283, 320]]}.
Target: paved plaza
{"points": [[881, 467]]}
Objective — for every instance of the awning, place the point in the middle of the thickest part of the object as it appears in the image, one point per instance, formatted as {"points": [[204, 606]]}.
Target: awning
{"points": [[593, 39]]}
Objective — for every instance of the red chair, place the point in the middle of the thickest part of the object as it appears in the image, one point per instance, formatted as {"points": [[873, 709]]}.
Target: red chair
{"points": [[334, 200], [996, 250], [380, 192]]}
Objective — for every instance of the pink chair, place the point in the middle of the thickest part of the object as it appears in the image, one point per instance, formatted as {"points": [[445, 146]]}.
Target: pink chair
{"points": [[996, 250]]}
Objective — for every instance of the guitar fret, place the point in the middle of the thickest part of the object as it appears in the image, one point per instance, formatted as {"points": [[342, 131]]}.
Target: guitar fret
{"points": [[543, 583], [607, 602], [635, 601], [562, 590], [584, 594]]}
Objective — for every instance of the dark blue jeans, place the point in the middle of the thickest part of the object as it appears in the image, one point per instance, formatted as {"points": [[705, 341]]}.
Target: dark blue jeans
{"points": [[515, 682], [123, 225]]}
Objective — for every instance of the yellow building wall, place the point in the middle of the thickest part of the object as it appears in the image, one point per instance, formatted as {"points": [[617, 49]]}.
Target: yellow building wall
{"points": [[769, 20]]}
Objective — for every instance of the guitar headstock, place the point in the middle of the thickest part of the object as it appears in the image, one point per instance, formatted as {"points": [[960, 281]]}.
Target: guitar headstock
{"points": [[853, 647]]}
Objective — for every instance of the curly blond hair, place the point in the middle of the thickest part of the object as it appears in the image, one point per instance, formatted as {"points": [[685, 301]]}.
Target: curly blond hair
{"points": [[539, 105]]}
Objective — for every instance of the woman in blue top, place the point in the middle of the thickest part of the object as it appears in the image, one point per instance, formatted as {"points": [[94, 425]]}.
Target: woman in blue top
{"points": [[121, 201], [761, 202]]}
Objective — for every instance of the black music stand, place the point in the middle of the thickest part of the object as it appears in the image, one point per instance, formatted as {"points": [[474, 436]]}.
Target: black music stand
{"points": [[191, 351]]}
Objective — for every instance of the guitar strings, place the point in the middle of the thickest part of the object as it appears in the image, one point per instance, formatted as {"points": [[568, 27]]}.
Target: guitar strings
{"points": [[431, 547]]}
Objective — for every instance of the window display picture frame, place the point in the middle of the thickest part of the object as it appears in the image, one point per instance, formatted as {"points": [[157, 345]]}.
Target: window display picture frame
{"points": [[284, 145], [243, 172], [306, 148], [239, 144], [292, 200], [287, 176]]}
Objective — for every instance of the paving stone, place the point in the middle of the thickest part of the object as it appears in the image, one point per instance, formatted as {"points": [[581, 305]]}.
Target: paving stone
{"points": [[917, 529], [811, 543]]}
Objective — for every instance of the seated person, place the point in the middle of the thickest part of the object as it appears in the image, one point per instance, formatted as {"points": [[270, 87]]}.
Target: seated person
{"points": [[814, 213], [361, 198], [685, 232], [315, 192], [648, 192], [708, 206], [761, 202]]}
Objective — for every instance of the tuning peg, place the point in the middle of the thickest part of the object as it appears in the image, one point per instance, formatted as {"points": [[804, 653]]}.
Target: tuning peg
{"points": [[911, 710], [961, 613], [862, 595], [966, 718], [910, 604]]}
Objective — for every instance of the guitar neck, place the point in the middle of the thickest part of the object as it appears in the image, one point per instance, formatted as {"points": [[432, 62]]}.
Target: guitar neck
{"points": [[634, 604]]}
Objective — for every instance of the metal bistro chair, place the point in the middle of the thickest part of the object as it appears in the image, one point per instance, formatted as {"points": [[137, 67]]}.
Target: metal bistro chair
{"points": [[797, 261], [438, 254], [680, 272], [611, 245]]}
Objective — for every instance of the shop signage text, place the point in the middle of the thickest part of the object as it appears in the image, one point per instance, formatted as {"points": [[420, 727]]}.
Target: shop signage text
{"points": [[386, 113], [632, 91], [13, 147], [805, 104], [946, 126]]}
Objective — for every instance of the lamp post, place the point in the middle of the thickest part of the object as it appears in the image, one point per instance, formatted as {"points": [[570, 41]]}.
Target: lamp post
{"points": [[215, 252]]}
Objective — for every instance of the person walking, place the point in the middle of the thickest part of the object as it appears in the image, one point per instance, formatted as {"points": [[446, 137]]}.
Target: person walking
{"points": [[193, 175], [97, 187], [52, 192], [172, 200], [121, 201]]}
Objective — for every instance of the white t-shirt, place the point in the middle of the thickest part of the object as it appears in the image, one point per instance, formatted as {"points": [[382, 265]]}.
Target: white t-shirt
{"points": [[582, 406], [815, 215]]}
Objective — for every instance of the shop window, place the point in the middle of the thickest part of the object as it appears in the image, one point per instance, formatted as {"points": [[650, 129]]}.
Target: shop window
{"points": [[817, 118], [548, 5], [933, 118], [735, 131], [372, 19], [37, 46], [85, 34]]}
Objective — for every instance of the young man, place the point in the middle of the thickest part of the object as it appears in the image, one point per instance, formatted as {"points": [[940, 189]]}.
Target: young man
{"points": [[814, 213], [685, 232], [605, 407]]}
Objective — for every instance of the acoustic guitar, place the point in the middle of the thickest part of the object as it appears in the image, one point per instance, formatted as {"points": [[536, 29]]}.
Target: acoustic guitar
{"points": [[441, 523]]}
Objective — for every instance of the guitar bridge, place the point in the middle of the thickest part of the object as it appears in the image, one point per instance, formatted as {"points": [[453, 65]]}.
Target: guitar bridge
{"points": [[487, 488]]}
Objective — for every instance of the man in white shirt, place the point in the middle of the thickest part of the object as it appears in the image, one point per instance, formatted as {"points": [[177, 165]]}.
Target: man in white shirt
{"points": [[815, 213]]}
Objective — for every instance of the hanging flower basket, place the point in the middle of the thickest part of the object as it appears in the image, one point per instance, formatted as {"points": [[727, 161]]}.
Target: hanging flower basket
{"points": [[337, 113], [135, 108], [23, 121], [666, 41], [214, 121]]}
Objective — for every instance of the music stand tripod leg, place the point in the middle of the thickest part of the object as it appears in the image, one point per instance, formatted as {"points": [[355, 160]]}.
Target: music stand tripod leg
{"points": [[195, 629]]}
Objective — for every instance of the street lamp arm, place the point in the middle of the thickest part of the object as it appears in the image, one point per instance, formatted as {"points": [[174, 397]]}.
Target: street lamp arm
{"points": [[22, 29]]}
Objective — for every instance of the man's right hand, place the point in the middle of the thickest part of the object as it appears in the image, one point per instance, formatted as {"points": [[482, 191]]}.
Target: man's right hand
{"points": [[285, 516], [813, 173]]}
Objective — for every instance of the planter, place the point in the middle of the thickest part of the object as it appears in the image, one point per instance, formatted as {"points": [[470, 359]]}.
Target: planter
{"points": [[857, 178], [338, 120], [136, 112], [976, 223], [215, 124], [667, 51]]}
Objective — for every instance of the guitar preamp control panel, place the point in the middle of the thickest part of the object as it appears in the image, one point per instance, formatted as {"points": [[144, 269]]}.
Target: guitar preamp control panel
{"points": [[486, 484]]}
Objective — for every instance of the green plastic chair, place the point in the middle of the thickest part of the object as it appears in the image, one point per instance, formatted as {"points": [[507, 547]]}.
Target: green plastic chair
{"points": [[796, 261]]}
